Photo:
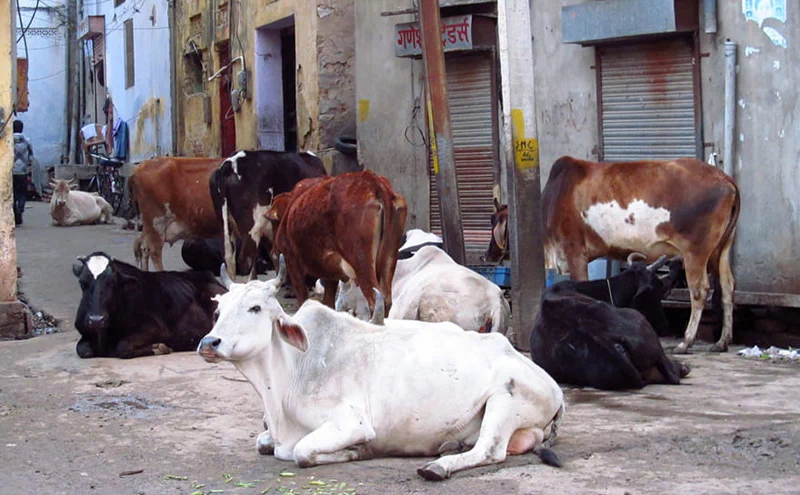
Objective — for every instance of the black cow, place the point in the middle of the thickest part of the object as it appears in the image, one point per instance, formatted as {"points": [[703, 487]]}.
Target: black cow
{"points": [[638, 287], [125, 312], [209, 254], [242, 189], [581, 341]]}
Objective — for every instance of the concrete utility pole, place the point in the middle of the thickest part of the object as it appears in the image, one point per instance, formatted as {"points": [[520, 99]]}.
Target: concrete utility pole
{"points": [[522, 150], [12, 312], [444, 163]]}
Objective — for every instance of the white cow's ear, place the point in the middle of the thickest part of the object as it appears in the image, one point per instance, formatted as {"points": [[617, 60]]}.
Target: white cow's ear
{"points": [[292, 333]]}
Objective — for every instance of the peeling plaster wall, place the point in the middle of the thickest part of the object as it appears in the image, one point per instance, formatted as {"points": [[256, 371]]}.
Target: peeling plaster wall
{"points": [[386, 105], [766, 140], [566, 93], [325, 87], [146, 105], [45, 121]]}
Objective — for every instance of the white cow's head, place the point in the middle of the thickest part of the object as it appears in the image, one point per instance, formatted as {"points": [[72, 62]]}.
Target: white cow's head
{"points": [[61, 189], [248, 319]]}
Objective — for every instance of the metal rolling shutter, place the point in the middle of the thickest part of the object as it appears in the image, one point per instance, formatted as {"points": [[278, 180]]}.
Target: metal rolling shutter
{"points": [[647, 95], [469, 87]]}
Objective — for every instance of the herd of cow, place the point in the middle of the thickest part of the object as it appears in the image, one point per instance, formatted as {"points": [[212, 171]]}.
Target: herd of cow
{"points": [[408, 352]]}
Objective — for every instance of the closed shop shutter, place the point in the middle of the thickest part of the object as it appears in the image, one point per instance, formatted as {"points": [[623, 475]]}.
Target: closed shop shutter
{"points": [[649, 102], [472, 99]]}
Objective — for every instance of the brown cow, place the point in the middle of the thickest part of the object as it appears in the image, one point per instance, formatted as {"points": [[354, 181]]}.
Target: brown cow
{"points": [[341, 228], [680, 207], [174, 199]]}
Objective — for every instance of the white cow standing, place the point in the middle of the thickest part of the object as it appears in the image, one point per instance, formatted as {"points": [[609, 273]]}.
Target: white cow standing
{"points": [[337, 389], [69, 207], [430, 286]]}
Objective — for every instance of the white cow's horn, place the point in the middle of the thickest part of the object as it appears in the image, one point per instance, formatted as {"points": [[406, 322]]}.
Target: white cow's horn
{"points": [[223, 274], [658, 263]]}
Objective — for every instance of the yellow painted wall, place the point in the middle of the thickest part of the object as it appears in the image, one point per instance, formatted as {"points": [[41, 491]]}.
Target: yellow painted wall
{"points": [[8, 250]]}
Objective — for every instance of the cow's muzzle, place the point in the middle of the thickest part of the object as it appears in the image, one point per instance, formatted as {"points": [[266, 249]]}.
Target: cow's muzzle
{"points": [[209, 349], [96, 322]]}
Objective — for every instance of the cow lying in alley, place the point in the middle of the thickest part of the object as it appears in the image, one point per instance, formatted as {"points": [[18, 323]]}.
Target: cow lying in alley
{"points": [[430, 286], [581, 341], [69, 207], [125, 312], [638, 287], [337, 389]]}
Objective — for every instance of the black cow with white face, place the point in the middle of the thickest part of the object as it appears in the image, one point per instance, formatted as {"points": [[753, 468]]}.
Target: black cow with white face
{"points": [[582, 341], [125, 312], [242, 189]]}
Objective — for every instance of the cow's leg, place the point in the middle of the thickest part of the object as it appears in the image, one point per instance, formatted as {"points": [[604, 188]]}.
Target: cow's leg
{"points": [[726, 284], [297, 278], [497, 428], [578, 267], [247, 257], [329, 296], [146, 342], [265, 444], [229, 242], [697, 280], [153, 244], [338, 440], [84, 348]]}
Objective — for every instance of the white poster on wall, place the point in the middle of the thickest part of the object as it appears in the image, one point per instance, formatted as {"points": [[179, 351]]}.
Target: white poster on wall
{"points": [[760, 10]]}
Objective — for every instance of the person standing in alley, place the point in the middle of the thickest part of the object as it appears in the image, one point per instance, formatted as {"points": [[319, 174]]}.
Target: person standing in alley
{"points": [[23, 156]]}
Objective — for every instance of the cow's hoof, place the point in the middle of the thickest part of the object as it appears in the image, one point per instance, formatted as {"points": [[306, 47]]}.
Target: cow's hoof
{"points": [[160, 349], [432, 472], [683, 369], [682, 348], [264, 444], [719, 347]]}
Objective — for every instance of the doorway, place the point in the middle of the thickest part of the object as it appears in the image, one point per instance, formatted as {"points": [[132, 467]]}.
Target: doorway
{"points": [[227, 120], [275, 86]]}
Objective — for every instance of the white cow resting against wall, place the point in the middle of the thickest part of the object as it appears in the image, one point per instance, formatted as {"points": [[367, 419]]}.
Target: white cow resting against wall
{"points": [[430, 286], [337, 389], [69, 207]]}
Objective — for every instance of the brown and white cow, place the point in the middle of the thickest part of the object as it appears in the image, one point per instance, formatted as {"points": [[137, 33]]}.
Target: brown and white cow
{"points": [[341, 228], [681, 207], [174, 199]]}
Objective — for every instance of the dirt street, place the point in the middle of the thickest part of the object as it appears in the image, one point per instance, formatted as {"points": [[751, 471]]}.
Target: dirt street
{"points": [[169, 424]]}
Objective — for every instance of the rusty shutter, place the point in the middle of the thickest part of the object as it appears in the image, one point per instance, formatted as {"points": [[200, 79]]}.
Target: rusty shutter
{"points": [[648, 101], [472, 98]]}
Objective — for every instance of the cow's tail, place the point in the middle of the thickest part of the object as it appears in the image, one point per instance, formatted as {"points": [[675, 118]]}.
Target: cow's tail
{"points": [[716, 255], [133, 213], [393, 222], [544, 451]]}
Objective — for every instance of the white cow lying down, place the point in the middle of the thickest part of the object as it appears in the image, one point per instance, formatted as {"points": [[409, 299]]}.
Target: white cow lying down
{"points": [[337, 389], [430, 286], [68, 207]]}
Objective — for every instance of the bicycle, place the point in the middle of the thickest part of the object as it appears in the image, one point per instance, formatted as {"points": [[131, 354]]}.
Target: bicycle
{"points": [[107, 181]]}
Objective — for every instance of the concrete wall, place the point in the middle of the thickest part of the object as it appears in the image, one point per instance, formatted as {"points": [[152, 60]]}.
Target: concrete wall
{"points": [[566, 93], [767, 154], [146, 106], [387, 90], [325, 86], [45, 120], [767, 135]]}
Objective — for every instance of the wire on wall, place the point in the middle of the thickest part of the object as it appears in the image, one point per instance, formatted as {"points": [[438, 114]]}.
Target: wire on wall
{"points": [[24, 39], [33, 16]]}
